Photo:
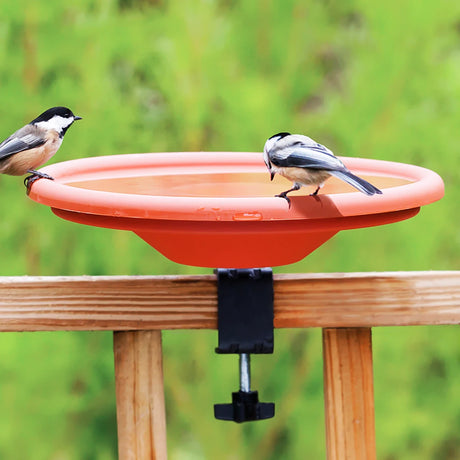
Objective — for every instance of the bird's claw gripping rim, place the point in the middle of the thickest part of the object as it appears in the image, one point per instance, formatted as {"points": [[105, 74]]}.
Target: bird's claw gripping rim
{"points": [[283, 195], [34, 176]]}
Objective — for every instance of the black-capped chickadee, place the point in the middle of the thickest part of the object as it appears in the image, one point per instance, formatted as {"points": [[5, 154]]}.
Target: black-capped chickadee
{"points": [[34, 144], [305, 162]]}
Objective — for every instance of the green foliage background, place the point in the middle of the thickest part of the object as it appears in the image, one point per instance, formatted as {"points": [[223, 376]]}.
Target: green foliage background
{"points": [[372, 79]]}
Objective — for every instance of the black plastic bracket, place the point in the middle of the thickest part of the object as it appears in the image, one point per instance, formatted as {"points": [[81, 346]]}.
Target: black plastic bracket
{"points": [[245, 326], [245, 310]]}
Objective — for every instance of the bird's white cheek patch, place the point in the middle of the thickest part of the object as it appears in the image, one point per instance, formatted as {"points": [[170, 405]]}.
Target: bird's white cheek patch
{"points": [[57, 123]]}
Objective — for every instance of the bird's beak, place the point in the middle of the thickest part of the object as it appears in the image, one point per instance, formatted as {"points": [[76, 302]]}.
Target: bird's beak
{"points": [[272, 175], [76, 117]]}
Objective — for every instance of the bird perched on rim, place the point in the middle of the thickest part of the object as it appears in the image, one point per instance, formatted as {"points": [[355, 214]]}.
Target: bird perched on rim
{"points": [[303, 161], [34, 144]]}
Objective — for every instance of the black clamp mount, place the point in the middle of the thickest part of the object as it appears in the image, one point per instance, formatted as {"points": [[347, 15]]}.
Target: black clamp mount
{"points": [[245, 326]]}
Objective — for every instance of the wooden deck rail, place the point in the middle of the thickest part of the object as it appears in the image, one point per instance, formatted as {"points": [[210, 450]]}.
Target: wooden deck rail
{"points": [[120, 303], [137, 308]]}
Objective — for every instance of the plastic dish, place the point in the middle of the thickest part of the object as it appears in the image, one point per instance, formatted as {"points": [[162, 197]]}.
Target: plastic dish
{"points": [[217, 209]]}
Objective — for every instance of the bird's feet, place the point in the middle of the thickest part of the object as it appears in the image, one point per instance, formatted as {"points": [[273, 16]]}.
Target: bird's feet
{"points": [[34, 175], [284, 195], [316, 191]]}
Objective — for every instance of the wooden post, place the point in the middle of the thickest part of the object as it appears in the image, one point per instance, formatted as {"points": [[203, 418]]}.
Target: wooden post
{"points": [[349, 394], [140, 397]]}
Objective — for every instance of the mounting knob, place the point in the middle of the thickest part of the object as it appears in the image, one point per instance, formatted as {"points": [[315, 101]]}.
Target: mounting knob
{"points": [[245, 405]]}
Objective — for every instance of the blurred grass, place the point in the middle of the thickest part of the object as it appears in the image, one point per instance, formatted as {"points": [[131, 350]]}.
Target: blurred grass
{"points": [[378, 80]]}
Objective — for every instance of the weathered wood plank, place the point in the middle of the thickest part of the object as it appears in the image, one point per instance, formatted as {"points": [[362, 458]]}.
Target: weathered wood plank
{"points": [[190, 302]]}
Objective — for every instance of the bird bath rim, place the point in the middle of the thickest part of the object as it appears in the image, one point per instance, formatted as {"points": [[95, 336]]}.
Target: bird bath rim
{"points": [[421, 187]]}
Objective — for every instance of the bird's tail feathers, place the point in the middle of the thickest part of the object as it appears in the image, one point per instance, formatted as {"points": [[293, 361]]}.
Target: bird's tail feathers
{"points": [[360, 184]]}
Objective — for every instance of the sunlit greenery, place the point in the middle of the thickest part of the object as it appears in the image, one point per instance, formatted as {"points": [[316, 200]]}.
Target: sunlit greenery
{"points": [[371, 79]]}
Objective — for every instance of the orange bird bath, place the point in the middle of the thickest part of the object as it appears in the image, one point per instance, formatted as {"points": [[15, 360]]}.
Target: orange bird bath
{"points": [[217, 209]]}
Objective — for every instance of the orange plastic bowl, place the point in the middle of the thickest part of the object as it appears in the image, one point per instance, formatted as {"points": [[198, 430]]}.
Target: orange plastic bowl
{"points": [[217, 209]]}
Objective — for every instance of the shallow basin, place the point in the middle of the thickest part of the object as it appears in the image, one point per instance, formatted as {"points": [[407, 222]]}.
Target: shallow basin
{"points": [[217, 209]]}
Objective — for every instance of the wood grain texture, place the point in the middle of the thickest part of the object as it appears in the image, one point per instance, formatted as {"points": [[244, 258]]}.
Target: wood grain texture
{"points": [[349, 394], [139, 388], [190, 302]]}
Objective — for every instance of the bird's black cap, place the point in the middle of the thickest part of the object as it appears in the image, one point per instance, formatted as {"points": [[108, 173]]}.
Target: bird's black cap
{"points": [[63, 112], [281, 135]]}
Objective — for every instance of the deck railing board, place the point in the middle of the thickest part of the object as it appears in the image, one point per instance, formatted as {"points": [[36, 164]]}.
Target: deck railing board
{"points": [[120, 303]]}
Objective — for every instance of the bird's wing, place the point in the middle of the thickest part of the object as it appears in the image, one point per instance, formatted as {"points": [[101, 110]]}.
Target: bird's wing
{"points": [[15, 143], [301, 155]]}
